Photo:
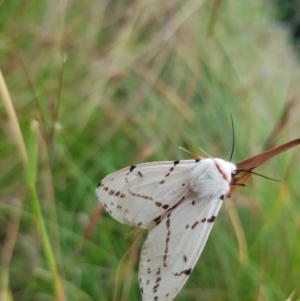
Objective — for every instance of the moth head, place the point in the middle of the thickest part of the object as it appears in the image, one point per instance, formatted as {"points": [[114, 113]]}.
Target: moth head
{"points": [[226, 169]]}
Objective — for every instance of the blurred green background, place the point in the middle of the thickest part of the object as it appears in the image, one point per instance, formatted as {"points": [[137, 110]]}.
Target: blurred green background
{"points": [[100, 85]]}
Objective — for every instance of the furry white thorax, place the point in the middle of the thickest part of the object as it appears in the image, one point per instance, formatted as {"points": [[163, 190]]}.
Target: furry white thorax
{"points": [[210, 178]]}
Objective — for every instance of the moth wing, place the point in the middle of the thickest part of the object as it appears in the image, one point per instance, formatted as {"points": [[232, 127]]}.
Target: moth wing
{"points": [[141, 195], [173, 247]]}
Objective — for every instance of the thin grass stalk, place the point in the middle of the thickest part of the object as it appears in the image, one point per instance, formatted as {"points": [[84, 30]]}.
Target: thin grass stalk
{"points": [[35, 203], [12, 116], [239, 232], [12, 233]]}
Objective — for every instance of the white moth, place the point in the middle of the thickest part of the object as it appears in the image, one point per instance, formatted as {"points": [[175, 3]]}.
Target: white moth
{"points": [[177, 201]]}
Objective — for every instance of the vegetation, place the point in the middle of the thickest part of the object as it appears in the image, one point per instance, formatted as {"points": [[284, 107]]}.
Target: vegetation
{"points": [[100, 85]]}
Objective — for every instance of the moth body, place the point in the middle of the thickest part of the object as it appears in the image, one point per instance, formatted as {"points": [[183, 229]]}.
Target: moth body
{"points": [[211, 178]]}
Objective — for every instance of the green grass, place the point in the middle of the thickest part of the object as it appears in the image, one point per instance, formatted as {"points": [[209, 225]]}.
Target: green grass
{"points": [[112, 83]]}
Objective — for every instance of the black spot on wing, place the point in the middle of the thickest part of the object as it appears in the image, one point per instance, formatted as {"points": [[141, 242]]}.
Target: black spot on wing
{"points": [[177, 204], [140, 174], [99, 184], [155, 287], [185, 272], [197, 160], [170, 170], [168, 222], [195, 224], [222, 197], [146, 197], [157, 219], [211, 220], [132, 168]]}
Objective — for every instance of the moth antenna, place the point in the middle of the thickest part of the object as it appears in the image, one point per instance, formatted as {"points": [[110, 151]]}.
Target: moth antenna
{"points": [[232, 148], [129, 231], [238, 184], [196, 156], [257, 174], [205, 153]]}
